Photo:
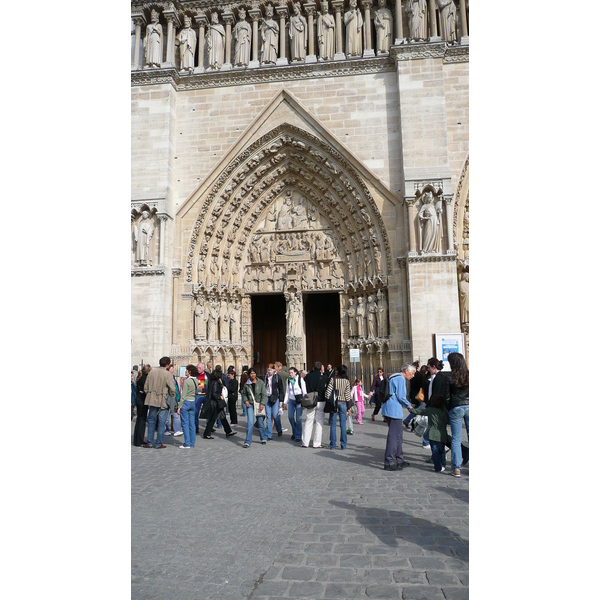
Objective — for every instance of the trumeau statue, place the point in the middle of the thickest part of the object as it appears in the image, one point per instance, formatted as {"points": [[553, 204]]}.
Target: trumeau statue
{"points": [[294, 314], [215, 42], [326, 33], [430, 225], [417, 24], [354, 23], [153, 45], [199, 319], [242, 34], [269, 34], [447, 10], [360, 316], [186, 40], [383, 24], [298, 34], [142, 234]]}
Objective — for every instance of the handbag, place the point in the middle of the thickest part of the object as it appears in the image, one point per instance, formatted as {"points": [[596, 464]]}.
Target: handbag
{"points": [[420, 396], [331, 402], [259, 409], [310, 400], [171, 404]]}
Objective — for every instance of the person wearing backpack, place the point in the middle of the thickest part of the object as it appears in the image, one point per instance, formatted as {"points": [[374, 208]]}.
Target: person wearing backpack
{"points": [[392, 411], [216, 398]]}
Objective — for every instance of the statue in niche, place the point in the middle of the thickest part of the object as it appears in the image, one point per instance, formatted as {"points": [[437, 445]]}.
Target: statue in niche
{"points": [[298, 34], [214, 270], [211, 321], [263, 278], [269, 34], [319, 247], [200, 269], [284, 220], [354, 23], [383, 26], [199, 319], [153, 42], [186, 40], [377, 255], [368, 264], [351, 318], [293, 314], [224, 321], [313, 216], [417, 23], [253, 251], [371, 317], [242, 34], [337, 274], [142, 234], [447, 10], [382, 309], [328, 247], [299, 216], [326, 33], [264, 250], [234, 322], [271, 221], [360, 316], [430, 226], [350, 267], [215, 42], [463, 294]]}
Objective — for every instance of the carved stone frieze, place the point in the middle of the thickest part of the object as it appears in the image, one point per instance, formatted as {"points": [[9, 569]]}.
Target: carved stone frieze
{"points": [[146, 271]]}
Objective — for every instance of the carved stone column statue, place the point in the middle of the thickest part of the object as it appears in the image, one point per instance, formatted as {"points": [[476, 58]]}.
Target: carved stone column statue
{"points": [[326, 33], [371, 318], [199, 319], [351, 318], [153, 42], [360, 316], [384, 24], [463, 292], [269, 34], [298, 35], [143, 233], [353, 21], [447, 10], [186, 40], [215, 42], [430, 224], [242, 35], [417, 22]]}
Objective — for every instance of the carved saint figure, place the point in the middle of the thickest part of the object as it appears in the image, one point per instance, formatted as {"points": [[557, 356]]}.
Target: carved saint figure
{"points": [[201, 269], [234, 321], [326, 33], [143, 233], [429, 225], [377, 255], [215, 42], [299, 216], [211, 321], [224, 321], [186, 40], [360, 316], [351, 318], [447, 10], [269, 34], [371, 317], [214, 269], [354, 23], [463, 293], [382, 307], [284, 220], [153, 45], [294, 314], [242, 34], [298, 34], [417, 24], [199, 324], [383, 25]]}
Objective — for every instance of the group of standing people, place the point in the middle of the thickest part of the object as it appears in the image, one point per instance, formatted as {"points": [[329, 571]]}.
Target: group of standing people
{"points": [[442, 397]]}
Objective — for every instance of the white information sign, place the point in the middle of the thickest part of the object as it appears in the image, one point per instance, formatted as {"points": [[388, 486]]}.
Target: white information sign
{"points": [[354, 355]]}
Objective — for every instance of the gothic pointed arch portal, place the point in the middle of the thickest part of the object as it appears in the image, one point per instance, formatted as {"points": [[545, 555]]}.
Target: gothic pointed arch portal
{"points": [[289, 214]]}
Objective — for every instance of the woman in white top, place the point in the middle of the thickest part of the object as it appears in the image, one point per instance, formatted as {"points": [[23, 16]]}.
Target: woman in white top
{"points": [[295, 388]]}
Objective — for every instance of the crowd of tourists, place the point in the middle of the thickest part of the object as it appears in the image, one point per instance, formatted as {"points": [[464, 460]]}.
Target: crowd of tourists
{"points": [[435, 400]]}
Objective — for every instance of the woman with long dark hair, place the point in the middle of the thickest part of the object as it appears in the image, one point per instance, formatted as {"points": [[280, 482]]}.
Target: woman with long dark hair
{"points": [[142, 409], [339, 387], [457, 403], [216, 397]]}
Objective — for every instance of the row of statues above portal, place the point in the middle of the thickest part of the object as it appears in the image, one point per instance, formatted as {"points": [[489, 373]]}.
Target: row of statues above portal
{"points": [[223, 41]]}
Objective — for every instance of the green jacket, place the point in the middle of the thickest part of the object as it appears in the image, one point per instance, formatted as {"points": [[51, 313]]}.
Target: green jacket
{"points": [[188, 391], [437, 421], [260, 395]]}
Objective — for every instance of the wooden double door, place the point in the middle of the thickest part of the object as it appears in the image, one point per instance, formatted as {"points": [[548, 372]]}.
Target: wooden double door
{"points": [[321, 324]]}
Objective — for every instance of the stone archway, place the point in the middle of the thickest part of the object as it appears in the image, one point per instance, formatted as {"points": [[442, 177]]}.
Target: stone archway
{"points": [[289, 214]]}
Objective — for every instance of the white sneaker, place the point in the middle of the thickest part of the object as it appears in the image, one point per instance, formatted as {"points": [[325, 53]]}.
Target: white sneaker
{"points": [[443, 469], [185, 446], [177, 433], [246, 445], [168, 433], [283, 430]]}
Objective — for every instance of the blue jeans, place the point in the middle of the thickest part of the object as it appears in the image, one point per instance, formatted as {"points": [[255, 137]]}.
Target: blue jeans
{"points": [[341, 411], [250, 423], [295, 417], [438, 454], [163, 414], [198, 405], [425, 440], [409, 418], [272, 412], [187, 420], [457, 414]]}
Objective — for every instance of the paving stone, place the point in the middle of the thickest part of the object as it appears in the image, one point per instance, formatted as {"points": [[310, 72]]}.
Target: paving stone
{"points": [[456, 593], [344, 590], [381, 592], [422, 593], [311, 589], [298, 573], [405, 576]]}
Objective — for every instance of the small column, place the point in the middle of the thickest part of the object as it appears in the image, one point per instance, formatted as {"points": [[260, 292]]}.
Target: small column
{"points": [[202, 22], [368, 51], [310, 9], [172, 21], [338, 6], [228, 19], [255, 15], [412, 248], [449, 225], [161, 242], [433, 32], [399, 31], [139, 20], [464, 28], [282, 11]]}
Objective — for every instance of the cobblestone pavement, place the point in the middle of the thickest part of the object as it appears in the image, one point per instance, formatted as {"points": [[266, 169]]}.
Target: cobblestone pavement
{"points": [[279, 521]]}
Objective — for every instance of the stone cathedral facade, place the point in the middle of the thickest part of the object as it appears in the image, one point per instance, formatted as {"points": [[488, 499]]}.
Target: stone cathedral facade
{"points": [[300, 179]]}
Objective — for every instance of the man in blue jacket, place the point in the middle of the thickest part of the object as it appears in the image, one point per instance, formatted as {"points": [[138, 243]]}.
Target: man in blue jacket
{"points": [[392, 410]]}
